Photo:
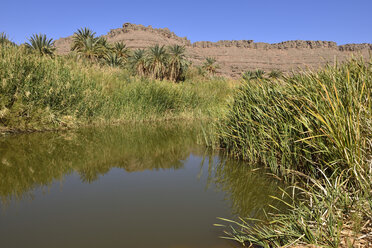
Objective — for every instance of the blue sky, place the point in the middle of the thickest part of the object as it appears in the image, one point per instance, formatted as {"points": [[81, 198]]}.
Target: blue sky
{"points": [[259, 20]]}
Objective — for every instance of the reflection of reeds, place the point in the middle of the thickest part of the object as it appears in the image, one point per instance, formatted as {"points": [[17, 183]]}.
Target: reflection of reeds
{"points": [[31, 160], [248, 189]]}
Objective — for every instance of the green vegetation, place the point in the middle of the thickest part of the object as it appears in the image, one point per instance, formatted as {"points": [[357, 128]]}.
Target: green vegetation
{"points": [[157, 62], [114, 60], [248, 187], [160, 62], [138, 62], [275, 74], [260, 74], [4, 40], [41, 44], [210, 65], [36, 160], [314, 129], [177, 63], [88, 46], [43, 92], [117, 56], [121, 50]]}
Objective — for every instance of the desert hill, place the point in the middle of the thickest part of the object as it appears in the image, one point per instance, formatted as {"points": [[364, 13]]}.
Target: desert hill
{"points": [[236, 56]]}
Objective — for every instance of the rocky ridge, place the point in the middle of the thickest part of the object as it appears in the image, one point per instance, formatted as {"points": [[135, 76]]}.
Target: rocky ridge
{"points": [[235, 56]]}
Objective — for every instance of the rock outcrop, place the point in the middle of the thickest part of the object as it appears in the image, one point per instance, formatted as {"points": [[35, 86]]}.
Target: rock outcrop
{"points": [[298, 44], [235, 56], [355, 47], [140, 36]]}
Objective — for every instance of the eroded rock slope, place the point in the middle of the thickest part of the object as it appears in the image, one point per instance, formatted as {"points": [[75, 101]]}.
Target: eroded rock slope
{"points": [[236, 56]]}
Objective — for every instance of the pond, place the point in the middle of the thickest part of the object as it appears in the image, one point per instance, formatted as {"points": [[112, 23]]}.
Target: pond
{"points": [[140, 185]]}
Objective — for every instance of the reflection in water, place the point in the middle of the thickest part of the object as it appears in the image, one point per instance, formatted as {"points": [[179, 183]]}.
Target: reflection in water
{"points": [[29, 162], [248, 190]]}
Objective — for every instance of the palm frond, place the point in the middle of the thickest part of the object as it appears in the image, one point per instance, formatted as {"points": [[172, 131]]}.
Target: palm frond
{"points": [[41, 44]]}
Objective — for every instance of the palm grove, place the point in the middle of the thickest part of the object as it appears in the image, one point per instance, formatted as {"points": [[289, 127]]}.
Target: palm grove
{"points": [[156, 62]]}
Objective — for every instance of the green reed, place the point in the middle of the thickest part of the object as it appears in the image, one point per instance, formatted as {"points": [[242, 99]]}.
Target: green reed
{"points": [[316, 124], [304, 122]]}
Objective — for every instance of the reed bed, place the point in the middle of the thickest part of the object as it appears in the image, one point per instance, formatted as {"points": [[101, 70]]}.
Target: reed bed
{"points": [[43, 92], [315, 129]]}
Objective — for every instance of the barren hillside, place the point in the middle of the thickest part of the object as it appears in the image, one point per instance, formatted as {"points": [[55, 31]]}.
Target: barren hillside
{"points": [[237, 56]]}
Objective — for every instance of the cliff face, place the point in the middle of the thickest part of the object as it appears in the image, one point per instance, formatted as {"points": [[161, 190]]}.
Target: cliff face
{"points": [[261, 45], [236, 56]]}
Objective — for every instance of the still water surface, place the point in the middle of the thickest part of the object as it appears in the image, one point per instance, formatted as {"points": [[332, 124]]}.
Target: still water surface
{"points": [[131, 186]]}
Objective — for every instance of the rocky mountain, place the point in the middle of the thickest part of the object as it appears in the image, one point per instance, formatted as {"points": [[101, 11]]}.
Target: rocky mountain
{"points": [[235, 56]]}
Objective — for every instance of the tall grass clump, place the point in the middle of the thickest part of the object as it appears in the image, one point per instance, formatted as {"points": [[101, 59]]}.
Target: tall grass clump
{"points": [[323, 212], [303, 122], [147, 100], [316, 124], [39, 91]]}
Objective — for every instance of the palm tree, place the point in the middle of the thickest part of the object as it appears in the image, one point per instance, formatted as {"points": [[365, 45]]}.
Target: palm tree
{"points": [[87, 45], [41, 44], [157, 61], [90, 49], [248, 75], [210, 65], [138, 62], [177, 63], [259, 74], [121, 50], [102, 41], [80, 36], [275, 74], [113, 60], [4, 40]]}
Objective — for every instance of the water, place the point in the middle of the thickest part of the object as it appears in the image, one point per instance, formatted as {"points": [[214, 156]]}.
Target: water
{"points": [[131, 186]]}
